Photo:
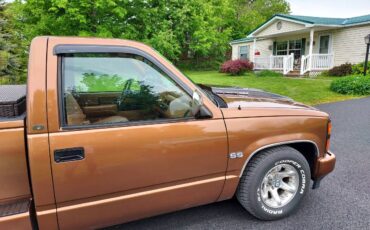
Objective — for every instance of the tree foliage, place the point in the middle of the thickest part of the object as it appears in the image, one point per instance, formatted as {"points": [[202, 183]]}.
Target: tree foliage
{"points": [[10, 49], [251, 13], [178, 29]]}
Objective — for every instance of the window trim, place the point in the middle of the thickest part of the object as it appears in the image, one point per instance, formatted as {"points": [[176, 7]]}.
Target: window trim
{"points": [[330, 47], [282, 50], [288, 47], [74, 49], [59, 50], [247, 53]]}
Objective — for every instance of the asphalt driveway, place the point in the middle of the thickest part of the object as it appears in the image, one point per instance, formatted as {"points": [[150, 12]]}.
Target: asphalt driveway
{"points": [[342, 201]]}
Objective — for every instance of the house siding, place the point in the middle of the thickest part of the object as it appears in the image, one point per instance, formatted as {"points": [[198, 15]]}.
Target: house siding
{"points": [[262, 46], [349, 44], [286, 27]]}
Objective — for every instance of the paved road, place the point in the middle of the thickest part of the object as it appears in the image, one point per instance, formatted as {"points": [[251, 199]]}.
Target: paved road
{"points": [[342, 202]]}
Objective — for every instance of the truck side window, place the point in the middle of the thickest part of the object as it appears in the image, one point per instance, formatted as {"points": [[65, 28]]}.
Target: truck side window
{"points": [[116, 88]]}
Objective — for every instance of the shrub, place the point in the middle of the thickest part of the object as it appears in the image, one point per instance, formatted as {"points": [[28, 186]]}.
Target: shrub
{"points": [[359, 68], [342, 70], [268, 73], [325, 73], [236, 67], [356, 85]]}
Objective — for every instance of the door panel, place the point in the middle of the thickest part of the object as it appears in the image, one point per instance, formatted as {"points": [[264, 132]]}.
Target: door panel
{"points": [[124, 134], [107, 211], [126, 158]]}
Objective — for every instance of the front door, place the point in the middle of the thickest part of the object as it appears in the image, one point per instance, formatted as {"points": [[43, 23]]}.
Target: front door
{"points": [[129, 145], [295, 48]]}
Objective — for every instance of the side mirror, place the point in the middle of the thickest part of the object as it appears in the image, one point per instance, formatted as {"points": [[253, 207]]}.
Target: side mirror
{"points": [[198, 109]]}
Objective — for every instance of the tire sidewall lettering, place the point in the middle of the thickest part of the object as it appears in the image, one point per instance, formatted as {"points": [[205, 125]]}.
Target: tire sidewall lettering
{"points": [[267, 209], [301, 189]]}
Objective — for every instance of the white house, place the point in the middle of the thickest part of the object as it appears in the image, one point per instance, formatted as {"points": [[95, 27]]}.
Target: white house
{"points": [[303, 44]]}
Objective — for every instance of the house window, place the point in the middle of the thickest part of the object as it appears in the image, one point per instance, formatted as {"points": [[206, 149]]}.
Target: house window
{"points": [[288, 47], [282, 48], [324, 44], [244, 52]]}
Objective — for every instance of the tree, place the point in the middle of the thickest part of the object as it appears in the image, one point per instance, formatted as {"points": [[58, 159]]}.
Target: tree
{"points": [[178, 29], [10, 65], [249, 14]]}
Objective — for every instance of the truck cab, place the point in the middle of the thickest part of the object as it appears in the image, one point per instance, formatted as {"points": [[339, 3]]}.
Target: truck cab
{"points": [[113, 132]]}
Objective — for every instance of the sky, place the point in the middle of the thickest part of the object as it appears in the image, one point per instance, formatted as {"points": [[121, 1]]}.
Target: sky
{"points": [[330, 8]]}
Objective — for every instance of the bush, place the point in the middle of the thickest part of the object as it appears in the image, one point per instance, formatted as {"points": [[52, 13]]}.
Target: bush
{"points": [[268, 73], [342, 70], [236, 67], [359, 68], [324, 73], [356, 85]]}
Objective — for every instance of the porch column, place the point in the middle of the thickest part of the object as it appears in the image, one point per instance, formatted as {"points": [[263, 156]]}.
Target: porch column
{"points": [[254, 48], [312, 31]]}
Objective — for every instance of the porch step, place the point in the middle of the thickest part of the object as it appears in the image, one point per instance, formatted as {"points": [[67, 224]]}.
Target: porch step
{"points": [[294, 73]]}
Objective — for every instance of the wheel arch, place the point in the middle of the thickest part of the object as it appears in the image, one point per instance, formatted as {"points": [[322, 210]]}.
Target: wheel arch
{"points": [[309, 149]]}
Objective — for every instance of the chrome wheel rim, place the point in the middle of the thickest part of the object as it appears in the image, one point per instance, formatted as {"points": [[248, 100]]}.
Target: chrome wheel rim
{"points": [[279, 185]]}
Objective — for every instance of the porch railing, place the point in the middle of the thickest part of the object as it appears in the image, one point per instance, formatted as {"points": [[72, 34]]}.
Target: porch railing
{"points": [[288, 63], [270, 62], [261, 63], [316, 62], [305, 65], [285, 63]]}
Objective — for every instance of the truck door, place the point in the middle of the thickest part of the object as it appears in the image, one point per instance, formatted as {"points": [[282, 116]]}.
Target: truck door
{"points": [[123, 140]]}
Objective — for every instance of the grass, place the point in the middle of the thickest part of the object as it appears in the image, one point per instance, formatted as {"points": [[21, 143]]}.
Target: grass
{"points": [[310, 91]]}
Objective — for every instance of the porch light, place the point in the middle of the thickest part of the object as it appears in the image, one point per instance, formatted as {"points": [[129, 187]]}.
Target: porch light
{"points": [[367, 42]]}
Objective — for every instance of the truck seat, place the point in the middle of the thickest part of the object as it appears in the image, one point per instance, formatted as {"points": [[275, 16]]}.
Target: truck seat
{"points": [[76, 116], [180, 107]]}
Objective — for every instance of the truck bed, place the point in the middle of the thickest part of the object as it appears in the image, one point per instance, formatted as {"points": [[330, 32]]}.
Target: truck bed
{"points": [[12, 106], [15, 187], [12, 100], [15, 192], [12, 122]]}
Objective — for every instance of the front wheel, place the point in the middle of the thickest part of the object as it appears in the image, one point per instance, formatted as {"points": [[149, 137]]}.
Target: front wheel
{"points": [[274, 183]]}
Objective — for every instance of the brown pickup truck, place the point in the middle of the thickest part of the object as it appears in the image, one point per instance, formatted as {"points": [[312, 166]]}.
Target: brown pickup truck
{"points": [[113, 132]]}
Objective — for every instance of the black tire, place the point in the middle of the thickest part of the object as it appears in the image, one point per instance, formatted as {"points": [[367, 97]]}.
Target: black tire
{"points": [[249, 190]]}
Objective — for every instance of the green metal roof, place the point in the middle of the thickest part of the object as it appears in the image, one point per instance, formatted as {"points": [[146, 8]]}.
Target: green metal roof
{"points": [[313, 21], [241, 40], [326, 21]]}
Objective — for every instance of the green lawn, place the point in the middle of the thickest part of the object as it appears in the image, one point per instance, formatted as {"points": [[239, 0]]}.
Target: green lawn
{"points": [[310, 91]]}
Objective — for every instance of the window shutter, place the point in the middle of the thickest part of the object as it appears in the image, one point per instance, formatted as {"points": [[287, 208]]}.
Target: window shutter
{"points": [[274, 48], [303, 49]]}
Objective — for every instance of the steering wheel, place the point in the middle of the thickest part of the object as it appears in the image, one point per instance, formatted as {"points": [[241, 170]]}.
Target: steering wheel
{"points": [[125, 91]]}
